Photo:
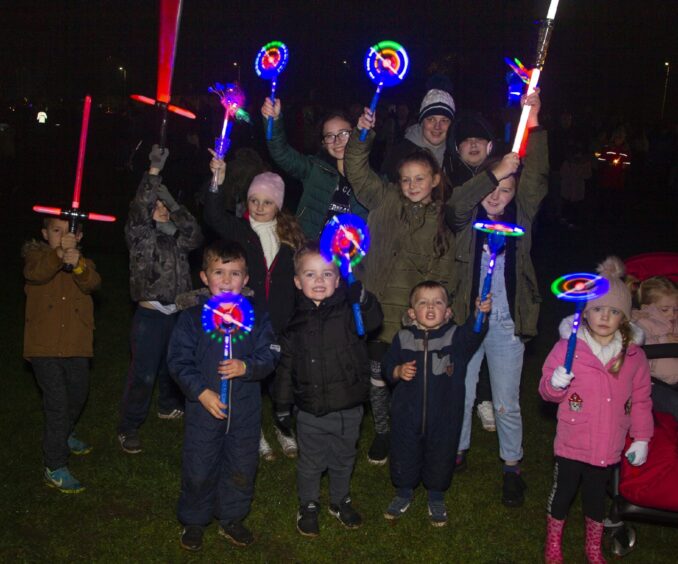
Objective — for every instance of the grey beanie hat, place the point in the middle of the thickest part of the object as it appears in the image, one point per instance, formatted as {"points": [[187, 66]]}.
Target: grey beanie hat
{"points": [[437, 103]]}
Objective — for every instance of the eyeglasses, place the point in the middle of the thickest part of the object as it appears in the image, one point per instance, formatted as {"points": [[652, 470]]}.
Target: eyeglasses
{"points": [[331, 138]]}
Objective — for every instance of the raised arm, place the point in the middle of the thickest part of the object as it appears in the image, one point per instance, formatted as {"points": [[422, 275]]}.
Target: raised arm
{"points": [[287, 158]]}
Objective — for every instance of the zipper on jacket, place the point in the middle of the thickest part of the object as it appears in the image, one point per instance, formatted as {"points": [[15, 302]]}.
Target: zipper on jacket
{"points": [[423, 416]]}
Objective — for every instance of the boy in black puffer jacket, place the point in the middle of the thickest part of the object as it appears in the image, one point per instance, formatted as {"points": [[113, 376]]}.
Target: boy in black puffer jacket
{"points": [[324, 370]]}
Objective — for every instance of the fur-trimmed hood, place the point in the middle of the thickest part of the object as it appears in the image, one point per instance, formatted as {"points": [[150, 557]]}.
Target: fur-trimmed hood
{"points": [[32, 245]]}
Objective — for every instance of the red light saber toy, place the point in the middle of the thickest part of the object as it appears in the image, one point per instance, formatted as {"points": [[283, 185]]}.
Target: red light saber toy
{"points": [[170, 15], [73, 214]]}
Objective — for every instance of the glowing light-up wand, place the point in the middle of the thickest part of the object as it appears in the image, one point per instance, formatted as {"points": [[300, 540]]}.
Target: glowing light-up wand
{"points": [[269, 63], [496, 235], [345, 241], [225, 318], [170, 16], [232, 99], [578, 288], [386, 64], [73, 214], [545, 32]]}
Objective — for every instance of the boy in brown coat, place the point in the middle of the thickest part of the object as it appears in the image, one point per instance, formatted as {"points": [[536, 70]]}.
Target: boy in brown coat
{"points": [[58, 335]]}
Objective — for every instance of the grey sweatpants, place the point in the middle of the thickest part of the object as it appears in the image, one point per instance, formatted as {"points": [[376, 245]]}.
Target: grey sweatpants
{"points": [[327, 443]]}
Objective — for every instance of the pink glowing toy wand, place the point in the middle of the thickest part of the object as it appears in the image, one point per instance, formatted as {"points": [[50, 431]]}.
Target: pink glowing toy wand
{"points": [[170, 16], [73, 214]]}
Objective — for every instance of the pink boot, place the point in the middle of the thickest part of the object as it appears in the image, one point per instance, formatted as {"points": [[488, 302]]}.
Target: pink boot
{"points": [[553, 553], [594, 537]]}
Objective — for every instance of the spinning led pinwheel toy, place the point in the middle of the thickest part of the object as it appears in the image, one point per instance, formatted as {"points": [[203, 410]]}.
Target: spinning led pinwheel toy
{"points": [[496, 236], [579, 288], [270, 62], [232, 99], [345, 241], [386, 64], [225, 318]]}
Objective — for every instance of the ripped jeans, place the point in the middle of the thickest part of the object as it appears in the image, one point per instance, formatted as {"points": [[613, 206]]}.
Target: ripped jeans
{"points": [[504, 351]]}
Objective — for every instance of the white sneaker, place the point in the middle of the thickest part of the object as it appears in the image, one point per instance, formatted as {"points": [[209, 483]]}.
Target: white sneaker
{"points": [[287, 442], [486, 415], [265, 450]]}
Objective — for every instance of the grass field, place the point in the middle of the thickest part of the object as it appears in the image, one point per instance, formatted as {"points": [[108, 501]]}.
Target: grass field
{"points": [[127, 513]]}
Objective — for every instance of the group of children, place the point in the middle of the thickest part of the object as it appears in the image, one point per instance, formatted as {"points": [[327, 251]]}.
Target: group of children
{"points": [[426, 262]]}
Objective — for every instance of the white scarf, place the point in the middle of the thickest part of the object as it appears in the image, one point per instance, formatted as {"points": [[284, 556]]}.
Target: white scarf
{"points": [[604, 353], [268, 236]]}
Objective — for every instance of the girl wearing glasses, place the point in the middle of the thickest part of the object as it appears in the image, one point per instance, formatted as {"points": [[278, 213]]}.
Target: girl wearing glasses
{"points": [[327, 192]]}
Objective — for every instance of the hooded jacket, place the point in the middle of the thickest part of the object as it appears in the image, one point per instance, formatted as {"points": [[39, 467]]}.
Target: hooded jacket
{"points": [[319, 179], [598, 409], [414, 139], [59, 318], [324, 365], [462, 212], [158, 262], [402, 233], [193, 358]]}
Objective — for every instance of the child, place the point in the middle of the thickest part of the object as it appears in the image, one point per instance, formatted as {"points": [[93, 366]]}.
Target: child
{"points": [[58, 334], [427, 365], [324, 371], [220, 452], [604, 396], [270, 236], [159, 233], [327, 192], [410, 243], [658, 317], [515, 296]]}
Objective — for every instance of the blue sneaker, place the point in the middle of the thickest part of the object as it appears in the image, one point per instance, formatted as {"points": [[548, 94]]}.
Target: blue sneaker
{"points": [[77, 446], [397, 507], [437, 512], [63, 480]]}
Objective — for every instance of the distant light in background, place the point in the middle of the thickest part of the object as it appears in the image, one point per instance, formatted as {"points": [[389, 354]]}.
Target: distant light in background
{"points": [[666, 86], [41, 117]]}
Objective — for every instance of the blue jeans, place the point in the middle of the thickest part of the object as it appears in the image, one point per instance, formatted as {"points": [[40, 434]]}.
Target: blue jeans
{"points": [[151, 331], [504, 351]]}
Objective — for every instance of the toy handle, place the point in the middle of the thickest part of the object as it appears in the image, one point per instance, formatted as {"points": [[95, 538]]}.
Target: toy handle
{"points": [[221, 145], [72, 228], [357, 314], [269, 122], [487, 285], [225, 387], [572, 341], [373, 107]]}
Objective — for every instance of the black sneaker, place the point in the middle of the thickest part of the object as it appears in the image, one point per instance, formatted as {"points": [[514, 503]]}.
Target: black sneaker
{"points": [[191, 538], [378, 453], [130, 442], [512, 490], [347, 516], [236, 533], [307, 519]]}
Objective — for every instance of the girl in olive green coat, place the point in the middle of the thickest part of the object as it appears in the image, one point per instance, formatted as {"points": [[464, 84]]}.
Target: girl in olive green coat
{"points": [[410, 244]]}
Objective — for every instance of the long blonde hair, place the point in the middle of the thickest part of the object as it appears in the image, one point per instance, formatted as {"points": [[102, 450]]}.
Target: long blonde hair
{"points": [[625, 330], [652, 289]]}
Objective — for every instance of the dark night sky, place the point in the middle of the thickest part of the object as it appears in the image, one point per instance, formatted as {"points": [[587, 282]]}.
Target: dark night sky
{"points": [[608, 54]]}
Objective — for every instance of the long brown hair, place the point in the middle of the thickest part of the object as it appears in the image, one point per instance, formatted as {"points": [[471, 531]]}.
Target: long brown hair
{"points": [[288, 229], [625, 330], [439, 195]]}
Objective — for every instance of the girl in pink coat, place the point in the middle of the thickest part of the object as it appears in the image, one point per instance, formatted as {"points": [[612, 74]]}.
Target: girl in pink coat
{"points": [[604, 396]]}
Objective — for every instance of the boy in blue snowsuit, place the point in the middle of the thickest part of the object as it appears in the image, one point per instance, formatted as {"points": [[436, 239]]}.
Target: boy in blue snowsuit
{"points": [[221, 450], [426, 364]]}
